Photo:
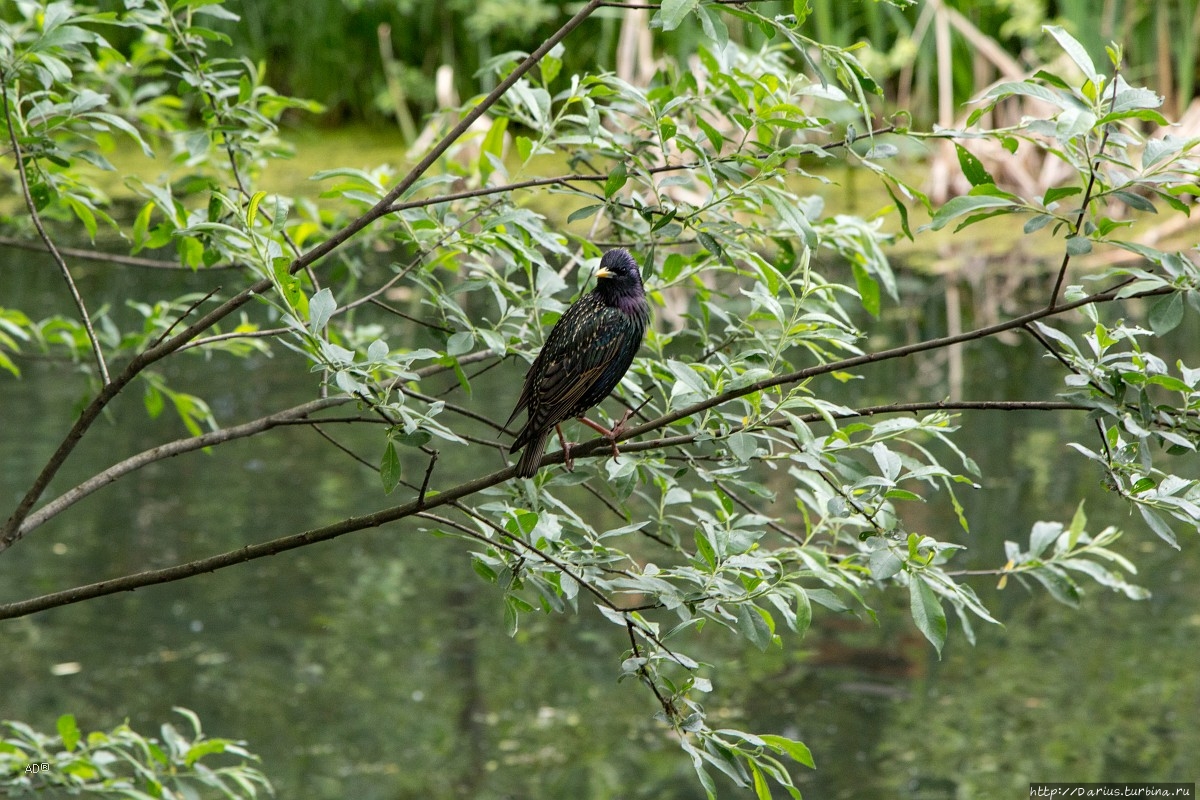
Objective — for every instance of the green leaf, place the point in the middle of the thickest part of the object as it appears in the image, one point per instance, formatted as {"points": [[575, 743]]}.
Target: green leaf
{"points": [[1078, 245], [705, 549], [884, 563], [584, 213], [1076, 51], [460, 343], [511, 615], [1037, 222], [797, 751], [1157, 525], [901, 209], [972, 167], [320, 309], [524, 147], [1135, 201], [959, 206], [140, 226], [1144, 114], [69, 731], [1041, 536], [1059, 192], [714, 136], [1061, 588], [762, 789], [6, 363], [927, 612], [710, 244], [153, 400], [742, 446], [752, 623], [389, 469], [202, 749], [1166, 314], [1078, 526], [252, 209], [414, 439], [868, 289], [493, 145], [1026, 89], [289, 285], [616, 179], [672, 12]]}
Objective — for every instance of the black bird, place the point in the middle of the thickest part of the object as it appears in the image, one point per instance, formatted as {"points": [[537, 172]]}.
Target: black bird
{"points": [[585, 356]]}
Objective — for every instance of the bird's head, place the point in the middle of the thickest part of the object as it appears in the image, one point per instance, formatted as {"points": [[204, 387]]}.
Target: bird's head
{"points": [[620, 268]]}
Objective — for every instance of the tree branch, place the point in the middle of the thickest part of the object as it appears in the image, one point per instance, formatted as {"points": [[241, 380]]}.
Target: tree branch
{"points": [[593, 447], [110, 258], [19, 158], [1094, 165], [168, 450], [9, 533], [876, 357]]}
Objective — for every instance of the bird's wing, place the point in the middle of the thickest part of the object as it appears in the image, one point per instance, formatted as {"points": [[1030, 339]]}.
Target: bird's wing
{"points": [[570, 373]]}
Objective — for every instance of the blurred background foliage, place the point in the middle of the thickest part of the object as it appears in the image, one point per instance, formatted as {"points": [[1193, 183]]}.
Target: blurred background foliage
{"points": [[377, 60]]}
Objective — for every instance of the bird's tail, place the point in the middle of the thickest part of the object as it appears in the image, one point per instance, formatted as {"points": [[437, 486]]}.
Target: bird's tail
{"points": [[527, 467]]}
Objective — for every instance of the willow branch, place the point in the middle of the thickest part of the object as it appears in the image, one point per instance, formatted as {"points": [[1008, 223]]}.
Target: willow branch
{"points": [[109, 258], [9, 533], [169, 450], [1094, 165], [19, 158], [291, 416], [566, 180], [597, 446], [801, 375]]}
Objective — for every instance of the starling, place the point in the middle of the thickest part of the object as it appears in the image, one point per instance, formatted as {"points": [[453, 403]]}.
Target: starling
{"points": [[585, 356]]}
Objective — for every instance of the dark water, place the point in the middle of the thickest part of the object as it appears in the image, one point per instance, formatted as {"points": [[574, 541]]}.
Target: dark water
{"points": [[376, 666]]}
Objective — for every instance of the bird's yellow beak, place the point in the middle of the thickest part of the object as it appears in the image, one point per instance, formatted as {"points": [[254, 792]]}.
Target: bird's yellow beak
{"points": [[603, 273]]}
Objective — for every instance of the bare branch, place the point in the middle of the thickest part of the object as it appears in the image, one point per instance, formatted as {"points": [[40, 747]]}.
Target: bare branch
{"points": [[178, 447], [109, 258]]}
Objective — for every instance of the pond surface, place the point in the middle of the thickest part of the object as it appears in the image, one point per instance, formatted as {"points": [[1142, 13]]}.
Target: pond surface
{"points": [[376, 666]]}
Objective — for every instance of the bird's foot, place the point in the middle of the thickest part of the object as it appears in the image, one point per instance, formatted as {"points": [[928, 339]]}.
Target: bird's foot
{"points": [[611, 434], [568, 461]]}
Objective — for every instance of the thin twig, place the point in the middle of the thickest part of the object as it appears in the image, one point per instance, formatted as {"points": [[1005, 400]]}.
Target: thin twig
{"points": [[772, 524], [1094, 165], [320, 431], [110, 258], [224, 337], [425, 481], [546, 557], [426, 323], [183, 316], [85, 318], [458, 526], [667, 706]]}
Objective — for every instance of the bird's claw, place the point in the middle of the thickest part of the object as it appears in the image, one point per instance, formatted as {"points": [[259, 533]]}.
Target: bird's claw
{"points": [[611, 434], [568, 461]]}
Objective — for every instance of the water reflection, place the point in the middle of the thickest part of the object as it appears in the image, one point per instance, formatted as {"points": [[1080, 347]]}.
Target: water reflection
{"points": [[376, 666]]}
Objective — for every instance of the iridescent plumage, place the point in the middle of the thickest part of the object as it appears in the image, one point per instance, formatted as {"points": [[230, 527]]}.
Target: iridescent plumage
{"points": [[585, 356]]}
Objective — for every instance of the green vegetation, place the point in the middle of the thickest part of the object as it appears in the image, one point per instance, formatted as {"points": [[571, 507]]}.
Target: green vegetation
{"points": [[124, 763], [376, 59], [395, 289]]}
